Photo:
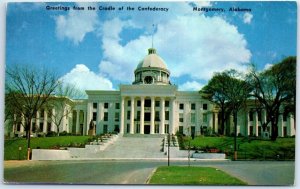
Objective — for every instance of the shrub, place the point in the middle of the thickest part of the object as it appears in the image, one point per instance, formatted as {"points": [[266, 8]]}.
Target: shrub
{"points": [[51, 134], [64, 133]]}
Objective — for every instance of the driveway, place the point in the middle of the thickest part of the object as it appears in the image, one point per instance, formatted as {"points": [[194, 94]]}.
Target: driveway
{"points": [[138, 171]]}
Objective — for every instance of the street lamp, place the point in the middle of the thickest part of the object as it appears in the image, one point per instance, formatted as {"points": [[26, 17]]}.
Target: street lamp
{"points": [[168, 149]]}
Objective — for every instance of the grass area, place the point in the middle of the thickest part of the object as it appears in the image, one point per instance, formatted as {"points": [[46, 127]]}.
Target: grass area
{"points": [[11, 146], [193, 176], [281, 149]]}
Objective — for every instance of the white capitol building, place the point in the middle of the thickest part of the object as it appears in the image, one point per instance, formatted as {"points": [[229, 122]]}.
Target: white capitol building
{"points": [[151, 105]]}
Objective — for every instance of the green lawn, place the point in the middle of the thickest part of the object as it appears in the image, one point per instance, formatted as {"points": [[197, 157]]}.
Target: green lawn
{"points": [[11, 146], [193, 176], [282, 148]]}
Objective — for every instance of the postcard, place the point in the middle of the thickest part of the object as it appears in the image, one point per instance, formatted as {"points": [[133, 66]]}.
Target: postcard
{"points": [[150, 93]]}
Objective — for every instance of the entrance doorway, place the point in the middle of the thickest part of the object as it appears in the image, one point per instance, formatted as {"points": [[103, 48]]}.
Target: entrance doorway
{"points": [[147, 129]]}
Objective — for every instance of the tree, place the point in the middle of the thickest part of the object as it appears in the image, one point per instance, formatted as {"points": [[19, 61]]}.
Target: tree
{"points": [[230, 92], [237, 96], [227, 91], [62, 103], [12, 115], [29, 89], [274, 88], [215, 91]]}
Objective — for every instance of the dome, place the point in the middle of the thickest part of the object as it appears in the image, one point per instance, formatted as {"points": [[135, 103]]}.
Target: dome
{"points": [[152, 60], [152, 70]]}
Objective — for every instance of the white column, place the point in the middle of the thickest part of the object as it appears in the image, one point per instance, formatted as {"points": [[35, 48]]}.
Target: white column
{"points": [[172, 117], [53, 127], [142, 115], [162, 116], [85, 125], [132, 115], [45, 123], [37, 121], [99, 118], [280, 125], [247, 123], [122, 116], [210, 120], [23, 124], [290, 125], [256, 123], [64, 128], [216, 122], [89, 112], [152, 115], [77, 121]]}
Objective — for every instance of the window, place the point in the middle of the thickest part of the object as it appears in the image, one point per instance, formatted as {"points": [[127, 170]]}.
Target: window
{"points": [[204, 106], [251, 115], [138, 115], [19, 127], [105, 116], [166, 128], [95, 105], [128, 115], [193, 118], [147, 103], [180, 117], [284, 116], [156, 103], [117, 106], [41, 127], [156, 130], [48, 127], [193, 106], [94, 116], [117, 116], [117, 128], [181, 129], [251, 128], [259, 130], [259, 115], [42, 113], [181, 106], [284, 131], [157, 116], [33, 127], [129, 103], [128, 128], [166, 115], [138, 103], [49, 113], [137, 129], [105, 105], [167, 103]]}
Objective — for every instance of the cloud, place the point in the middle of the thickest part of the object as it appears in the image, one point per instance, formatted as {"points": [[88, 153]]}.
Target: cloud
{"points": [[247, 18], [267, 66], [84, 79], [76, 24], [191, 45], [190, 86]]}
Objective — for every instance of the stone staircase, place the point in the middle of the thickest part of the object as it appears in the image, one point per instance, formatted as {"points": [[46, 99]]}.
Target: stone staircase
{"points": [[135, 146]]}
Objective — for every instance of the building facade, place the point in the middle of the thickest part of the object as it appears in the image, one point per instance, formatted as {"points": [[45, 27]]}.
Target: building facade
{"points": [[151, 105]]}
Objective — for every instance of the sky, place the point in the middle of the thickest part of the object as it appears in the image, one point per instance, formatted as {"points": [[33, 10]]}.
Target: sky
{"points": [[100, 49]]}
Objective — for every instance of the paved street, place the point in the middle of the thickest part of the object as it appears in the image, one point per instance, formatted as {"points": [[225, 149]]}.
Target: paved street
{"points": [[137, 172]]}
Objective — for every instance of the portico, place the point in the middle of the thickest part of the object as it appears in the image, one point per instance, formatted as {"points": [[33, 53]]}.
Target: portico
{"points": [[145, 114], [147, 109]]}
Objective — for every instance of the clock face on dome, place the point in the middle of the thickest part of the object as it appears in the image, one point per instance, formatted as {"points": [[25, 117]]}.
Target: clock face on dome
{"points": [[148, 80]]}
